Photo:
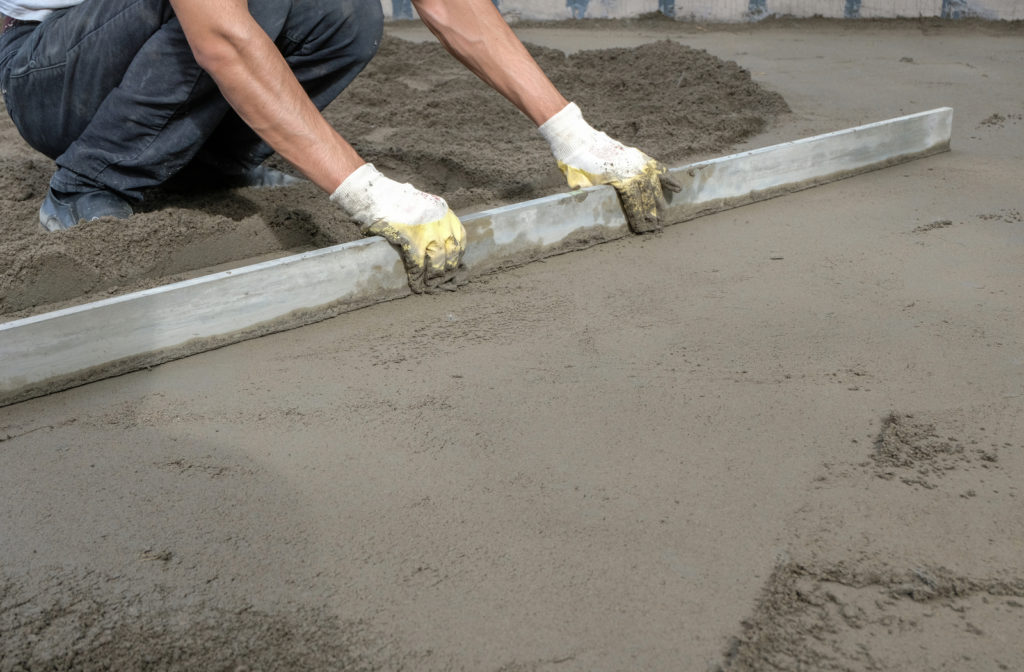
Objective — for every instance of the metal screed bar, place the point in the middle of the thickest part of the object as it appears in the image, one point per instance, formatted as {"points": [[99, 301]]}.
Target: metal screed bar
{"points": [[69, 347]]}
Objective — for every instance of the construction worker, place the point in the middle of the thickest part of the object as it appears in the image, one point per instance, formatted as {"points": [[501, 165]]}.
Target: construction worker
{"points": [[126, 94]]}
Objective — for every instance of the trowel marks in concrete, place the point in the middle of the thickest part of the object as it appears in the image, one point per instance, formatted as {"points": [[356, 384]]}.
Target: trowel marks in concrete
{"points": [[859, 618], [82, 620], [417, 114]]}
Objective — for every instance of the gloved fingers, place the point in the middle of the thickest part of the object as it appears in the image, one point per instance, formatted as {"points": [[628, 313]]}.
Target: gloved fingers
{"points": [[666, 184], [455, 275], [436, 271], [640, 197], [454, 247], [418, 280], [413, 256], [444, 254], [452, 254], [454, 243], [445, 259], [669, 183], [417, 267]]}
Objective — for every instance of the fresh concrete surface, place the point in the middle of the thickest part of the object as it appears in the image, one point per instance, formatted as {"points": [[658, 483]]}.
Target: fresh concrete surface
{"points": [[597, 462]]}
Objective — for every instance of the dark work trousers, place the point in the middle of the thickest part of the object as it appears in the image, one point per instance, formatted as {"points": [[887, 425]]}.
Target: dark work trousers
{"points": [[111, 91]]}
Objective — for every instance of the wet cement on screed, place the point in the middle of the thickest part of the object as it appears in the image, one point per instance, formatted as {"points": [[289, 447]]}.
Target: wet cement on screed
{"points": [[420, 117], [786, 436]]}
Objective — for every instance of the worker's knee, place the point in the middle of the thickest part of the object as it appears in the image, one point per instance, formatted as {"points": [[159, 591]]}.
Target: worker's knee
{"points": [[348, 30], [362, 21]]}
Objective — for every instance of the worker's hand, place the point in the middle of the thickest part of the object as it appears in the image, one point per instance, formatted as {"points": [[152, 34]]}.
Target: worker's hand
{"points": [[429, 236], [589, 157]]}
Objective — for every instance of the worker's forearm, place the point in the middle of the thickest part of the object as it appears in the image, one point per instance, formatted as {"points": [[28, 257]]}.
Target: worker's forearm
{"points": [[257, 82], [474, 32]]}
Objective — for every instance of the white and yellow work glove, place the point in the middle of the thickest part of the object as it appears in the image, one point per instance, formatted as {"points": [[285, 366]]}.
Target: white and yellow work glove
{"points": [[589, 157], [426, 232]]}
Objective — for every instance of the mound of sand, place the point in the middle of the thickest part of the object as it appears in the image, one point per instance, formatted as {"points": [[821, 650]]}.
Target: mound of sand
{"points": [[417, 114]]}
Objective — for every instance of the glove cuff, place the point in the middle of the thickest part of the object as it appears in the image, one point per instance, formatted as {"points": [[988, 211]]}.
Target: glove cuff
{"points": [[356, 195], [367, 196], [567, 132]]}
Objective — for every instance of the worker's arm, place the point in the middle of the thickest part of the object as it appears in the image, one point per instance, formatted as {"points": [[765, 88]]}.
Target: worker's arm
{"points": [[476, 34], [255, 79], [257, 82]]}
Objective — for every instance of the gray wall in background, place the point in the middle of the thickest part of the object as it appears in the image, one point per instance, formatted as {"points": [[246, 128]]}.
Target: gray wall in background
{"points": [[741, 10]]}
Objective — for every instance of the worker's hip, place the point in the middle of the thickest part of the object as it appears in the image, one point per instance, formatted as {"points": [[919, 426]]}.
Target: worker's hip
{"points": [[13, 33], [56, 74]]}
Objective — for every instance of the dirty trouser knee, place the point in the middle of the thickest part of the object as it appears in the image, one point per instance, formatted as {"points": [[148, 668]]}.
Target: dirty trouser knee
{"points": [[110, 88]]}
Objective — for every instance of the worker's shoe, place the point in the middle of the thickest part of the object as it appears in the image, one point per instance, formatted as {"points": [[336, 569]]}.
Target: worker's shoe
{"points": [[63, 211]]}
